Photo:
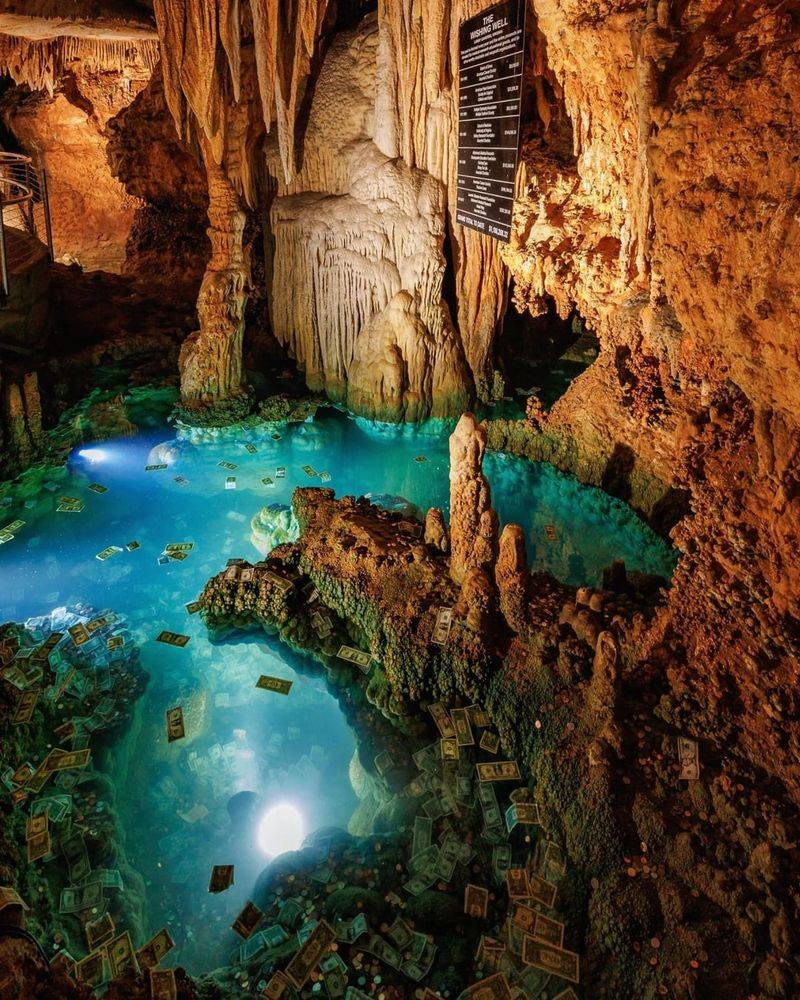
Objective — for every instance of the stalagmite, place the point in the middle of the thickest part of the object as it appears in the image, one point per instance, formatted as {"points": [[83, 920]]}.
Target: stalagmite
{"points": [[436, 530], [513, 576], [473, 524]]}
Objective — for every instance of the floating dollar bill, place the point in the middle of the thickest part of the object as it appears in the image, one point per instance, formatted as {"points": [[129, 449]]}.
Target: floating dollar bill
{"points": [[121, 955], [689, 757], [548, 930], [280, 472], [441, 630], [247, 921], [76, 898], [358, 657], [494, 988], [230, 483], [321, 624], [423, 829], [150, 954], [70, 508], [39, 846], [276, 987], [154, 468], [501, 770], [132, 546], [97, 488], [267, 481], [75, 854], [93, 970], [175, 726], [179, 547], [65, 760], [550, 959], [193, 607], [310, 471], [350, 930], [280, 582], [325, 477], [463, 729], [517, 883], [251, 449], [13, 527], [181, 480], [449, 747], [97, 623], [99, 931], [421, 458], [442, 719], [541, 890], [163, 985], [490, 742], [172, 638], [221, 878], [476, 901], [115, 642], [79, 634], [108, 552], [276, 684], [230, 466], [25, 707], [36, 825]]}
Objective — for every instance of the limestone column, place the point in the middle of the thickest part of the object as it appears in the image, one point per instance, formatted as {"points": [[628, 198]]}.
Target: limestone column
{"points": [[513, 576], [473, 523], [211, 358]]}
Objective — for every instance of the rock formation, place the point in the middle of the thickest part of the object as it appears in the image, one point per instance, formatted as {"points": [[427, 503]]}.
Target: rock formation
{"points": [[473, 523], [513, 576]]}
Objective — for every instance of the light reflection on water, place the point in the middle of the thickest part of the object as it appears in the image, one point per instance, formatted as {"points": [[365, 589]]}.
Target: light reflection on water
{"points": [[190, 805]]}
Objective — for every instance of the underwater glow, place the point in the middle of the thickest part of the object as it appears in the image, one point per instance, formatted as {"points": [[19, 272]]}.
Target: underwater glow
{"points": [[93, 454], [280, 830]]}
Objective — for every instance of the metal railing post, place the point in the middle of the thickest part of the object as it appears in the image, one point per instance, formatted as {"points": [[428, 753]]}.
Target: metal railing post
{"points": [[3, 257], [46, 205]]}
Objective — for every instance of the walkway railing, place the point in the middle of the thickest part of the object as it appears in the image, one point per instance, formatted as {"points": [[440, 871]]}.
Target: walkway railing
{"points": [[24, 212]]}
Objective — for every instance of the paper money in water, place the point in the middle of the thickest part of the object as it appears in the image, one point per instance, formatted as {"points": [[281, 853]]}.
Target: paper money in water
{"points": [[501, 770], [221, 878], [39, 846], [97, 488], [36, 825], [251, 449], [65, 760], [73, 899], [115, 642], [557, 961], [121, 955], [308, 957], [276, 987], [175, 726], [150, 954], [441, 630], [230, 466], [280, 472], [25, 707], [517, 883], [172, 638], [154, 468], [108, 552], [442, 719], [449, 747], [93, 970], [70, 508], [541, 890], [248, 920], [689, 757], [476, 901], [132, 546], [230, 483], [79, 634], [277, 684], [309, 471], [99, 931], [361, 659], [267, 481], [464, 733], [163, 985], [193, 607], [325, 477], [490, 742]]}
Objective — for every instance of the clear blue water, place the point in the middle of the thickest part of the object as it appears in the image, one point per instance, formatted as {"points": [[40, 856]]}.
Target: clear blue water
{"points": [[178, 802]]}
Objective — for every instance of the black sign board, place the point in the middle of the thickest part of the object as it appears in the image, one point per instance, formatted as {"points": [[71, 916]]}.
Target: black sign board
{"points": [[492, 47]]}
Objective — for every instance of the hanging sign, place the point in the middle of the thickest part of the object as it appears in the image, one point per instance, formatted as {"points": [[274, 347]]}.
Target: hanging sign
{"points": [[492, 55]]}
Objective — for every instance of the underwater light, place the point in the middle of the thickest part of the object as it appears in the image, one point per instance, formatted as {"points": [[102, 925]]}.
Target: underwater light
{"points": [[280, 830], [93, 454]]}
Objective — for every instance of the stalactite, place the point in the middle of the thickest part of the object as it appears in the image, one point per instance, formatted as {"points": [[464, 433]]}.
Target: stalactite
{"points": [[41, 63]]}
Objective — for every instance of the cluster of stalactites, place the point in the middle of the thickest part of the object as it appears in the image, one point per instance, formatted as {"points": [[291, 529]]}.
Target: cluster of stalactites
{"points": [[41, 63], [202, 60]]}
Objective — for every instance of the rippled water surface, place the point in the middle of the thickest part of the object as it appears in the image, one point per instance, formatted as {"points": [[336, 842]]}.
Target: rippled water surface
{"points": [[199, 802]]}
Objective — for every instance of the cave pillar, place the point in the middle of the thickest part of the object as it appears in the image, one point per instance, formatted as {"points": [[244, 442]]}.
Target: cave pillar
{"points": [[513, 576], [211, 358], [473, 523]]}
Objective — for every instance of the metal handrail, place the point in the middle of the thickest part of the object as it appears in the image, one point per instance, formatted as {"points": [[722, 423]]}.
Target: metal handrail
{"points": [[23, 186]]}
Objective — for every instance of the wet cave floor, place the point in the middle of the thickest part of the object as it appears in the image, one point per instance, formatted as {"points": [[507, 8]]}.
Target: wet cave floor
{"points": [[120, 537]]}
